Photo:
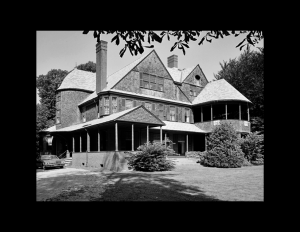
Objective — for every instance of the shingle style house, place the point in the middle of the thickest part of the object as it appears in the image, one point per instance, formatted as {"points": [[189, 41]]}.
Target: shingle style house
{"points": [[98, 116]]}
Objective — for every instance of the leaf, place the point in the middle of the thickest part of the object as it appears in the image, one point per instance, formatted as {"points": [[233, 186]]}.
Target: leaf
{"points": [[240, 43], [123, 51], [152, 46], [156, 37], [201, 41], [85, 32], [187, 46], [172, 48], [116, 37], [95, 34]]}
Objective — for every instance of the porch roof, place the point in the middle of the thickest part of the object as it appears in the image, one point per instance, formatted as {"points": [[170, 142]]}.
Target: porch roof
{"points": [[130, 115], [180, 126]]}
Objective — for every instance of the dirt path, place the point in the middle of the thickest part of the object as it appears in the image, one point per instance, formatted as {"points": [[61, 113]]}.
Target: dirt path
{"points": [[189, 181]]}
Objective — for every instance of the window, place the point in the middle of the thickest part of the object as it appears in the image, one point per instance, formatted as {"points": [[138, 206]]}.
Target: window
{"points": [[206, 113], [161, 111], [128, 104], [195, 94], [148, 106], [106, 105], [191, 93], [244, 112], [197, 78], [172, 113], [114, 105], [219, 112], [232, 111], [57, 116], [153, 82], [187, 115]]}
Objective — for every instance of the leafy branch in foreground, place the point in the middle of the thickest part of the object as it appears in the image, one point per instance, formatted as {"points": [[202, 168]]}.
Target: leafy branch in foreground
{"points": [[134, 39]]}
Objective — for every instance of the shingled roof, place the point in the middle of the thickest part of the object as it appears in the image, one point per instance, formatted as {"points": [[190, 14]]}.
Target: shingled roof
{"points": [[78, 79], [219, 90], [98, 121], [179, 75], [179, 126]]}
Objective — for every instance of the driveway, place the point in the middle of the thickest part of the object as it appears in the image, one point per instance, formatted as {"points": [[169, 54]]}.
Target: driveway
{"points": [[189, 181]]}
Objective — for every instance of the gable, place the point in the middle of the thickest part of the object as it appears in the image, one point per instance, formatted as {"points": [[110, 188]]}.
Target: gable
{"points": [[190, 79], [141, 115], [152, 65]]}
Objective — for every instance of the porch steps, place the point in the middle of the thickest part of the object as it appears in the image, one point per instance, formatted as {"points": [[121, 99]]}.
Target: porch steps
{"points": [[68, 161]]}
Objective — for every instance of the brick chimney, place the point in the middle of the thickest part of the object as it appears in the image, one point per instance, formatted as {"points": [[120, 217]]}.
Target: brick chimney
{"points": [[101, 65], [173, 61]]}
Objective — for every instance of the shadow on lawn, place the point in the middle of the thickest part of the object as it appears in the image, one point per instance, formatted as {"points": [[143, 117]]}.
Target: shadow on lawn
{"points": [[138, 186], [122, 186]]}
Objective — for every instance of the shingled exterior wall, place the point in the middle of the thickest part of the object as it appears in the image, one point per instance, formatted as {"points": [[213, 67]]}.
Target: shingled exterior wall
{"points": [[190, 83], [139, 115], [151, 65], [70, 114]]}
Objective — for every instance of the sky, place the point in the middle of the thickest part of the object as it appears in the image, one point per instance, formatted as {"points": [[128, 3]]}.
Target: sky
{"points": [[66, 49]]}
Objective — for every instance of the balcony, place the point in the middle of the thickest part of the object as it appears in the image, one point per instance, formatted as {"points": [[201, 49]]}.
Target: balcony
{"points": [[242, 126]]}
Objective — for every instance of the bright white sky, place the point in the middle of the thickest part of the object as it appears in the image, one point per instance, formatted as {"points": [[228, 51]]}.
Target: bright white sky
{"points": [[64, 49]]}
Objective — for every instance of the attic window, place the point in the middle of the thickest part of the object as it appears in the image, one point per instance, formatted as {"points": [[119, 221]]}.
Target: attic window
{"points": [[197, 78], [153, 82]]}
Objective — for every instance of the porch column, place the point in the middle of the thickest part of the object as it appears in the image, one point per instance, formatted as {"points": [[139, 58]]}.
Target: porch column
{"points": [[98, 140], [240, 114], [201, 114], [205, 141], [73, 149], [187, 142], [56, 145], [211, 113], [87, 141], [132, 137], [165, 139], [226, 111], [248, 112], [80, 149], [147, 135], [116, 135], [161, 134]]}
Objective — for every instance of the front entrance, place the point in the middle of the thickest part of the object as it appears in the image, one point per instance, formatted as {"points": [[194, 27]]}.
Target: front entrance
{"points": [[181, 148]]}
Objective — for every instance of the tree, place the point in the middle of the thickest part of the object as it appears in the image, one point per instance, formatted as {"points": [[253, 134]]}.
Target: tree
{"points": [[246, 74], [89, 67], [133, 39], [47, 85], [223, 148], [46, 110]]}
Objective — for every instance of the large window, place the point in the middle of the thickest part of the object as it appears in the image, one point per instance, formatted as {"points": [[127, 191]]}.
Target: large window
{"points": [[187, 115], [232, 111], [128, 104], [149, 81], [106, 105], [114, 105], [206, 113], [172, 113], [219, 112]]}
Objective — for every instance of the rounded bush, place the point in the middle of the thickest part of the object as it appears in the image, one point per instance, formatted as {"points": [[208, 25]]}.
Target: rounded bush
{"points": [[151, 157]]}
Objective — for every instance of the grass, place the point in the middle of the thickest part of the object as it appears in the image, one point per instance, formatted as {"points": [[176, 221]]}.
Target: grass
{"points": [[189, 181]]}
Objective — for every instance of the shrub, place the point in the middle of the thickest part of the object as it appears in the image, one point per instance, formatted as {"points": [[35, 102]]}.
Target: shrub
{"points": [[151, 157], [195, 154], [258, 162], [223, 149], [252, 146]]}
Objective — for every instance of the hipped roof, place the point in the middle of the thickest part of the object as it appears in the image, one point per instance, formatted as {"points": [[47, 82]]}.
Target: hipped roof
{"points": [[219, 90]]}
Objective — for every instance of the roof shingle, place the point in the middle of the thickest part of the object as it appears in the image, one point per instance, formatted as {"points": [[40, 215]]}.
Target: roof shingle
{"points": [[219, 90]]}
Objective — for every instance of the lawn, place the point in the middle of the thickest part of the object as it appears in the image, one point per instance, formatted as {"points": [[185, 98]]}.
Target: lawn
{"points": [[189, 181]]}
